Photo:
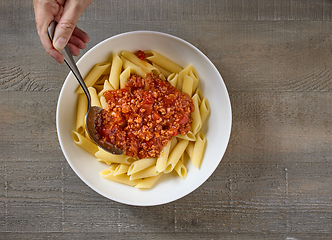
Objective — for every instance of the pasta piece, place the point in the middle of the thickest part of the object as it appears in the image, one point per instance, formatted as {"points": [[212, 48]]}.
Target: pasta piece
{"points": [[197, 121], [103, 102], [187, 85], [122, 178], [107, 86], [108, 162], [82, 106], [162, 77], [149, 182], [101, 80], [165, 72], [181, 169], [198, 92], [94, 97], [173, 79], [204, 110], [141, 63], [148, 172], [174, 142], [176, 155], [86, 134], [121, 169], [102, 154], [182, 74], [116, 68], [134, 68], [194, 76], [124, 76], [163, 157], [189, 136], [99, 85], [98, 70], [190, 149], [140, 165], [84, 143], [198, 150], [162, 61]]}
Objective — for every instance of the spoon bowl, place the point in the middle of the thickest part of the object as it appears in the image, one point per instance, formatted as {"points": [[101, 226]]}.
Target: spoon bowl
{"points": [[92, 111]]}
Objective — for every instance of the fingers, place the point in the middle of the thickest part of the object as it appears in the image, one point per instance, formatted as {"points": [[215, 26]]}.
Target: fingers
{"points": [[67, 13], [67, 23], [44, 14]]}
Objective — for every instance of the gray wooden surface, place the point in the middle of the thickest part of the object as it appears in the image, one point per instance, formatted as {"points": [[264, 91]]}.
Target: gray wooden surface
{"points": [[275, 180]]}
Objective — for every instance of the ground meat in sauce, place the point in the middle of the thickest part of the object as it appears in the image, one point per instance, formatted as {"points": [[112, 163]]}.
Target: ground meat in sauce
{"points": [[144, 116]]}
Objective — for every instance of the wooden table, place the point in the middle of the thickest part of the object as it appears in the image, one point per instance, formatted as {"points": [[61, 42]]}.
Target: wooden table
{"points": [[275, 180]]}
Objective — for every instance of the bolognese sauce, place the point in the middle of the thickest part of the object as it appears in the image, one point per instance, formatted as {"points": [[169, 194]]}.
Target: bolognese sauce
{"points": [[142, 117]]}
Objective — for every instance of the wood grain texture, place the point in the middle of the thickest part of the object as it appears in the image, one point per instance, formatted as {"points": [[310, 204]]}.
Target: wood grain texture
{"points": [[275, 179], [251, 56]]}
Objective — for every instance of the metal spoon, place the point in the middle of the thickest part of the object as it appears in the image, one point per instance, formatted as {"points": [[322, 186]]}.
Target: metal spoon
{"points": [[92, 111]]}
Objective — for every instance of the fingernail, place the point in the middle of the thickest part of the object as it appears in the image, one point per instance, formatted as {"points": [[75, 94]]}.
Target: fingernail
{"points": [[60, 43]]}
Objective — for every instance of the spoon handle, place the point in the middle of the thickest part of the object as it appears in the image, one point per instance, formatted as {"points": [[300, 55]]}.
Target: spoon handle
{"points": [[70, 62]]}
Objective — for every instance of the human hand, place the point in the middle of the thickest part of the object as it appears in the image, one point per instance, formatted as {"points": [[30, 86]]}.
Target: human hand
{"points": [[66, 13]]}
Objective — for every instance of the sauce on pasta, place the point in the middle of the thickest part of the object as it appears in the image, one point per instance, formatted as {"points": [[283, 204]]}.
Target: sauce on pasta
{"points": [[142, 117]]}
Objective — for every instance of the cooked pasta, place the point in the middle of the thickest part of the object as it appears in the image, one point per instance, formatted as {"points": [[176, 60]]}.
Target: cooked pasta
{"points": [[93, 76], [84, 143], [198, 151], [144, 173], [82, 105]]}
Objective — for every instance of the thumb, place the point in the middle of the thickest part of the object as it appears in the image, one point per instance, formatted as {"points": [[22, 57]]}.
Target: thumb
{"points": [[66, 25]]}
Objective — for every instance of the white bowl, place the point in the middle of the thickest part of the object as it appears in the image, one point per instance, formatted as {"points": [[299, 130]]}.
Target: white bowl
{"points": [[217, 128]]}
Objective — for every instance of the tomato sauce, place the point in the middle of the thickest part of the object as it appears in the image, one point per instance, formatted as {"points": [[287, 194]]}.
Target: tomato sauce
{"points": [[142, 117]]}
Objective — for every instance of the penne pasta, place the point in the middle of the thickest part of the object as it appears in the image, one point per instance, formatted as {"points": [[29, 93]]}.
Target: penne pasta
{"points": [[98, 70], [82, 106], [196, 116], [163, 71], [204, 110], [122, 178], [107, 86], [162, 77], [194, 76], [116, 68], [162, 159], [84, 143], [162, 61], [133, 67], [109, 163], [198, 150], [198, 92], [140, 165], [149, 182], [106, 156], [124, 76], [101, 80], [181, 169], [189, 136], [94, 97], [103, 102], [176, 155], [141, 63], [173, 79], [121, 169], [182, 74], [174, 142], [148, 172], [99, 85], [187, 85], [190, 149]]}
